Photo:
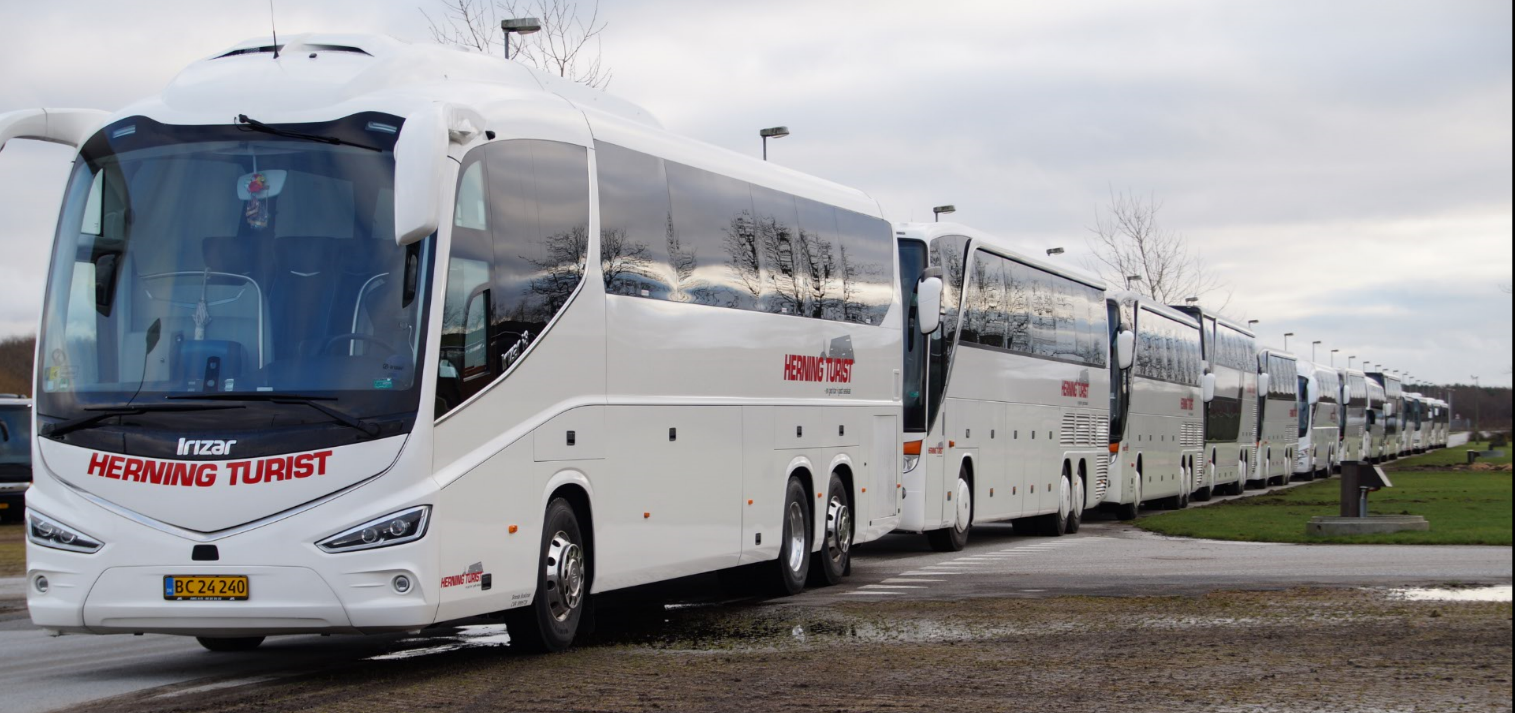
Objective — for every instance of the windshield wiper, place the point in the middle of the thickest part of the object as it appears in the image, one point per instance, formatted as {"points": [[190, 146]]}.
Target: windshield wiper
{"points": [[100, 413], [342, 417], [247, 124]]}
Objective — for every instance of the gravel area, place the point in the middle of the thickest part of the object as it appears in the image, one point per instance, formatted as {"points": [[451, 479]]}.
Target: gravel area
{"points": [[1338, 650]]}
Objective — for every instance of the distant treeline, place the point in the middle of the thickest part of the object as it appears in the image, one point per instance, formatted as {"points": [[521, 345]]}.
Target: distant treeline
{"points": [[1493, 406], [16, 365]]}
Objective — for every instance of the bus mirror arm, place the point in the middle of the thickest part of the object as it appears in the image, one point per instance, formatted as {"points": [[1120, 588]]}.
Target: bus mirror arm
{"points": [[70, 127], [1263, 382], [1207, 387], [929, 300], [1125, 349]]}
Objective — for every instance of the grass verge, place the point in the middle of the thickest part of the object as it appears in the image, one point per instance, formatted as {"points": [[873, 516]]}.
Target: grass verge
{"points": [[12, 550], [1464, 507]]}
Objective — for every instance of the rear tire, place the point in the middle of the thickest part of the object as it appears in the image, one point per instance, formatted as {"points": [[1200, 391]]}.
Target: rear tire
{"points": [[551, 621], [955, 537], [836, 551], [1076, 514], [787, 573], [230, 644]]}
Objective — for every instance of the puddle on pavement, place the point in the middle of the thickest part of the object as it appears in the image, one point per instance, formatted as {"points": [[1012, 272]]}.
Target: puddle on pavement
{"points": [[467, 637], [1499, 593]]}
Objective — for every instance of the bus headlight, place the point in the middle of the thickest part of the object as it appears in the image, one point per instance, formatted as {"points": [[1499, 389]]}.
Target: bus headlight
{"points": [[912, 455], [393, 529], [47, 532]]}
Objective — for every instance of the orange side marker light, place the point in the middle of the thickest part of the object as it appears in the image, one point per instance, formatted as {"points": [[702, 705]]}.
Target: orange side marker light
{"points": [[513, 529]]}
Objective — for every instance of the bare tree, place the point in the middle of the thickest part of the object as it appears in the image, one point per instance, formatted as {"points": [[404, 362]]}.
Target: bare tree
{"points": [[1130, 242], [568, 45]]}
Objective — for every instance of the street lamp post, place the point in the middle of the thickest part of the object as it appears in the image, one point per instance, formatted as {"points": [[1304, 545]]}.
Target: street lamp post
{"points": [[1054, 251], [936, 213], [1333, 358], [1286, 340], [1350, 359], [1477, 407], [1313, 345], [1132, 279], [775, 132], [519, 26], [1252, 323]]}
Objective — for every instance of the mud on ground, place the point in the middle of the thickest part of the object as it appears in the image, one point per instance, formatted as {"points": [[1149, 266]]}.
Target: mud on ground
{"points": [[1301, 650]]}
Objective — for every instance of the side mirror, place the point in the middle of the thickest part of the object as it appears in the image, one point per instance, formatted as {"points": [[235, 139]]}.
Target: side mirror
{"points": [[420, 169], [1207, 387], [1264, 381], [928, 295], [105, 281], [1125, 349], [421, 166]]}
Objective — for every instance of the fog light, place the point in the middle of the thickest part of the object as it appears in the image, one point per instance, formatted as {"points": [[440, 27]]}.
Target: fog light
{"points": [[41, 584], [401, 583]]}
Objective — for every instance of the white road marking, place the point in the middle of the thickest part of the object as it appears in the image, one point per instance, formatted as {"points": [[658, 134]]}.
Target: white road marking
{"points": [[874, 591], [890, 586], [897, 580], [924, 573]]}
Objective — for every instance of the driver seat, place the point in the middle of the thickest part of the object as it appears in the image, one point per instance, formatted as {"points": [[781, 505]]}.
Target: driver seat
{"points": [[303, 295]]}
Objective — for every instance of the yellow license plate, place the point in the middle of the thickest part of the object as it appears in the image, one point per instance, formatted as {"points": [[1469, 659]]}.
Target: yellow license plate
{"points": [[205, 588]]}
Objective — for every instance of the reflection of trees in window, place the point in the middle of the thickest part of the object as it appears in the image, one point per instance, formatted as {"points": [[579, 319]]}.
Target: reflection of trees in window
{"points": [[741, 244], [560, 271], [621, 259]]}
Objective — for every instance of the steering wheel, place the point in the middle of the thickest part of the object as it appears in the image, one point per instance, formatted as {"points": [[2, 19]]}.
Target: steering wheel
{"points": [[356, 337]]}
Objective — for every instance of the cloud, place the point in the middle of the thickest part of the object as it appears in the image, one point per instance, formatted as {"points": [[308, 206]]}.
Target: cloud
{"points": [[1347, 164]]}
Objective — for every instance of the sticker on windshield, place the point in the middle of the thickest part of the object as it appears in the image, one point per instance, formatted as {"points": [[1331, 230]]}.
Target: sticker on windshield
{"points": [[383, 383]]}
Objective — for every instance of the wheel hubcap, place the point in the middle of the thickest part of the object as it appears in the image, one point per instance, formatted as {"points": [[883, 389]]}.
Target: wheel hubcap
{"points": [[796, 537], [1078, 497], [838, 530], [1064, 499], [564, 576], [964, 505]]}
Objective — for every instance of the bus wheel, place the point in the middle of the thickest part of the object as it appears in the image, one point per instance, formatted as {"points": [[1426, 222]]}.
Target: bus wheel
{"points": [[1076, 512], [955, 538], [551, 621], [836, 551], [1129, 511], [794, 551], [236, 643]]}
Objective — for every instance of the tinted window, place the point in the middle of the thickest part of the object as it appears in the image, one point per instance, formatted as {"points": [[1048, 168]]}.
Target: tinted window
{"points": [[539, 205], [715, 239], [999, 310], [636, 227], [515, 261], [866, 262]]}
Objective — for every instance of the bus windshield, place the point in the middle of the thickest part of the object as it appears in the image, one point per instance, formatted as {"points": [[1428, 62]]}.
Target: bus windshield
{"points": [[193, 261]]}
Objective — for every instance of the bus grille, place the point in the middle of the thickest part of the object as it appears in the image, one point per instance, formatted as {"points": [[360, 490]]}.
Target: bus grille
{"points": [[1083, 429], [1101, 477], [1192, 435]]}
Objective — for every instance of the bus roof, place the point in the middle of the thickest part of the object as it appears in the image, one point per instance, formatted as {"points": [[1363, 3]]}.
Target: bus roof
{"points": [[1275, 351], [931, 231], [326, 76], [1219, 318]]}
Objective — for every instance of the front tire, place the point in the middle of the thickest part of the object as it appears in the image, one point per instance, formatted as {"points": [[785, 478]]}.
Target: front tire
{"points": [[836, 552], [955, 538], [230, 644], [551, 621], [1129, 511]]}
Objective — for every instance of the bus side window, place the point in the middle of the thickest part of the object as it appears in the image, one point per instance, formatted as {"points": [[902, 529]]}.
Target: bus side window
{"points": [[465, 345]]}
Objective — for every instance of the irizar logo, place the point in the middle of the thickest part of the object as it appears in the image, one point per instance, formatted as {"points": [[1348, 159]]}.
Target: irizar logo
{"points": [[205, 448]]}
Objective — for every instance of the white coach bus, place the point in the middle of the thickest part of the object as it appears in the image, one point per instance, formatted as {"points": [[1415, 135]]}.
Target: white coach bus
{"points": [[1393, 414], [1231, 414], [1277, 416], [1377, 423], [1157, 435], [425, 334], [1417, 428], [1354, 432], [1319, 421], [1006, 404]]}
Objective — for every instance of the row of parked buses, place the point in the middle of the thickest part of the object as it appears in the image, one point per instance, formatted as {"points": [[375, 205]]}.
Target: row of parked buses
{"points": [[424, 335]]}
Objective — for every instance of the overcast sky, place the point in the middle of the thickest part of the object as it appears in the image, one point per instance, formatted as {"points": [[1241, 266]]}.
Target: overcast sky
{"points": [[1347, 165]]}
